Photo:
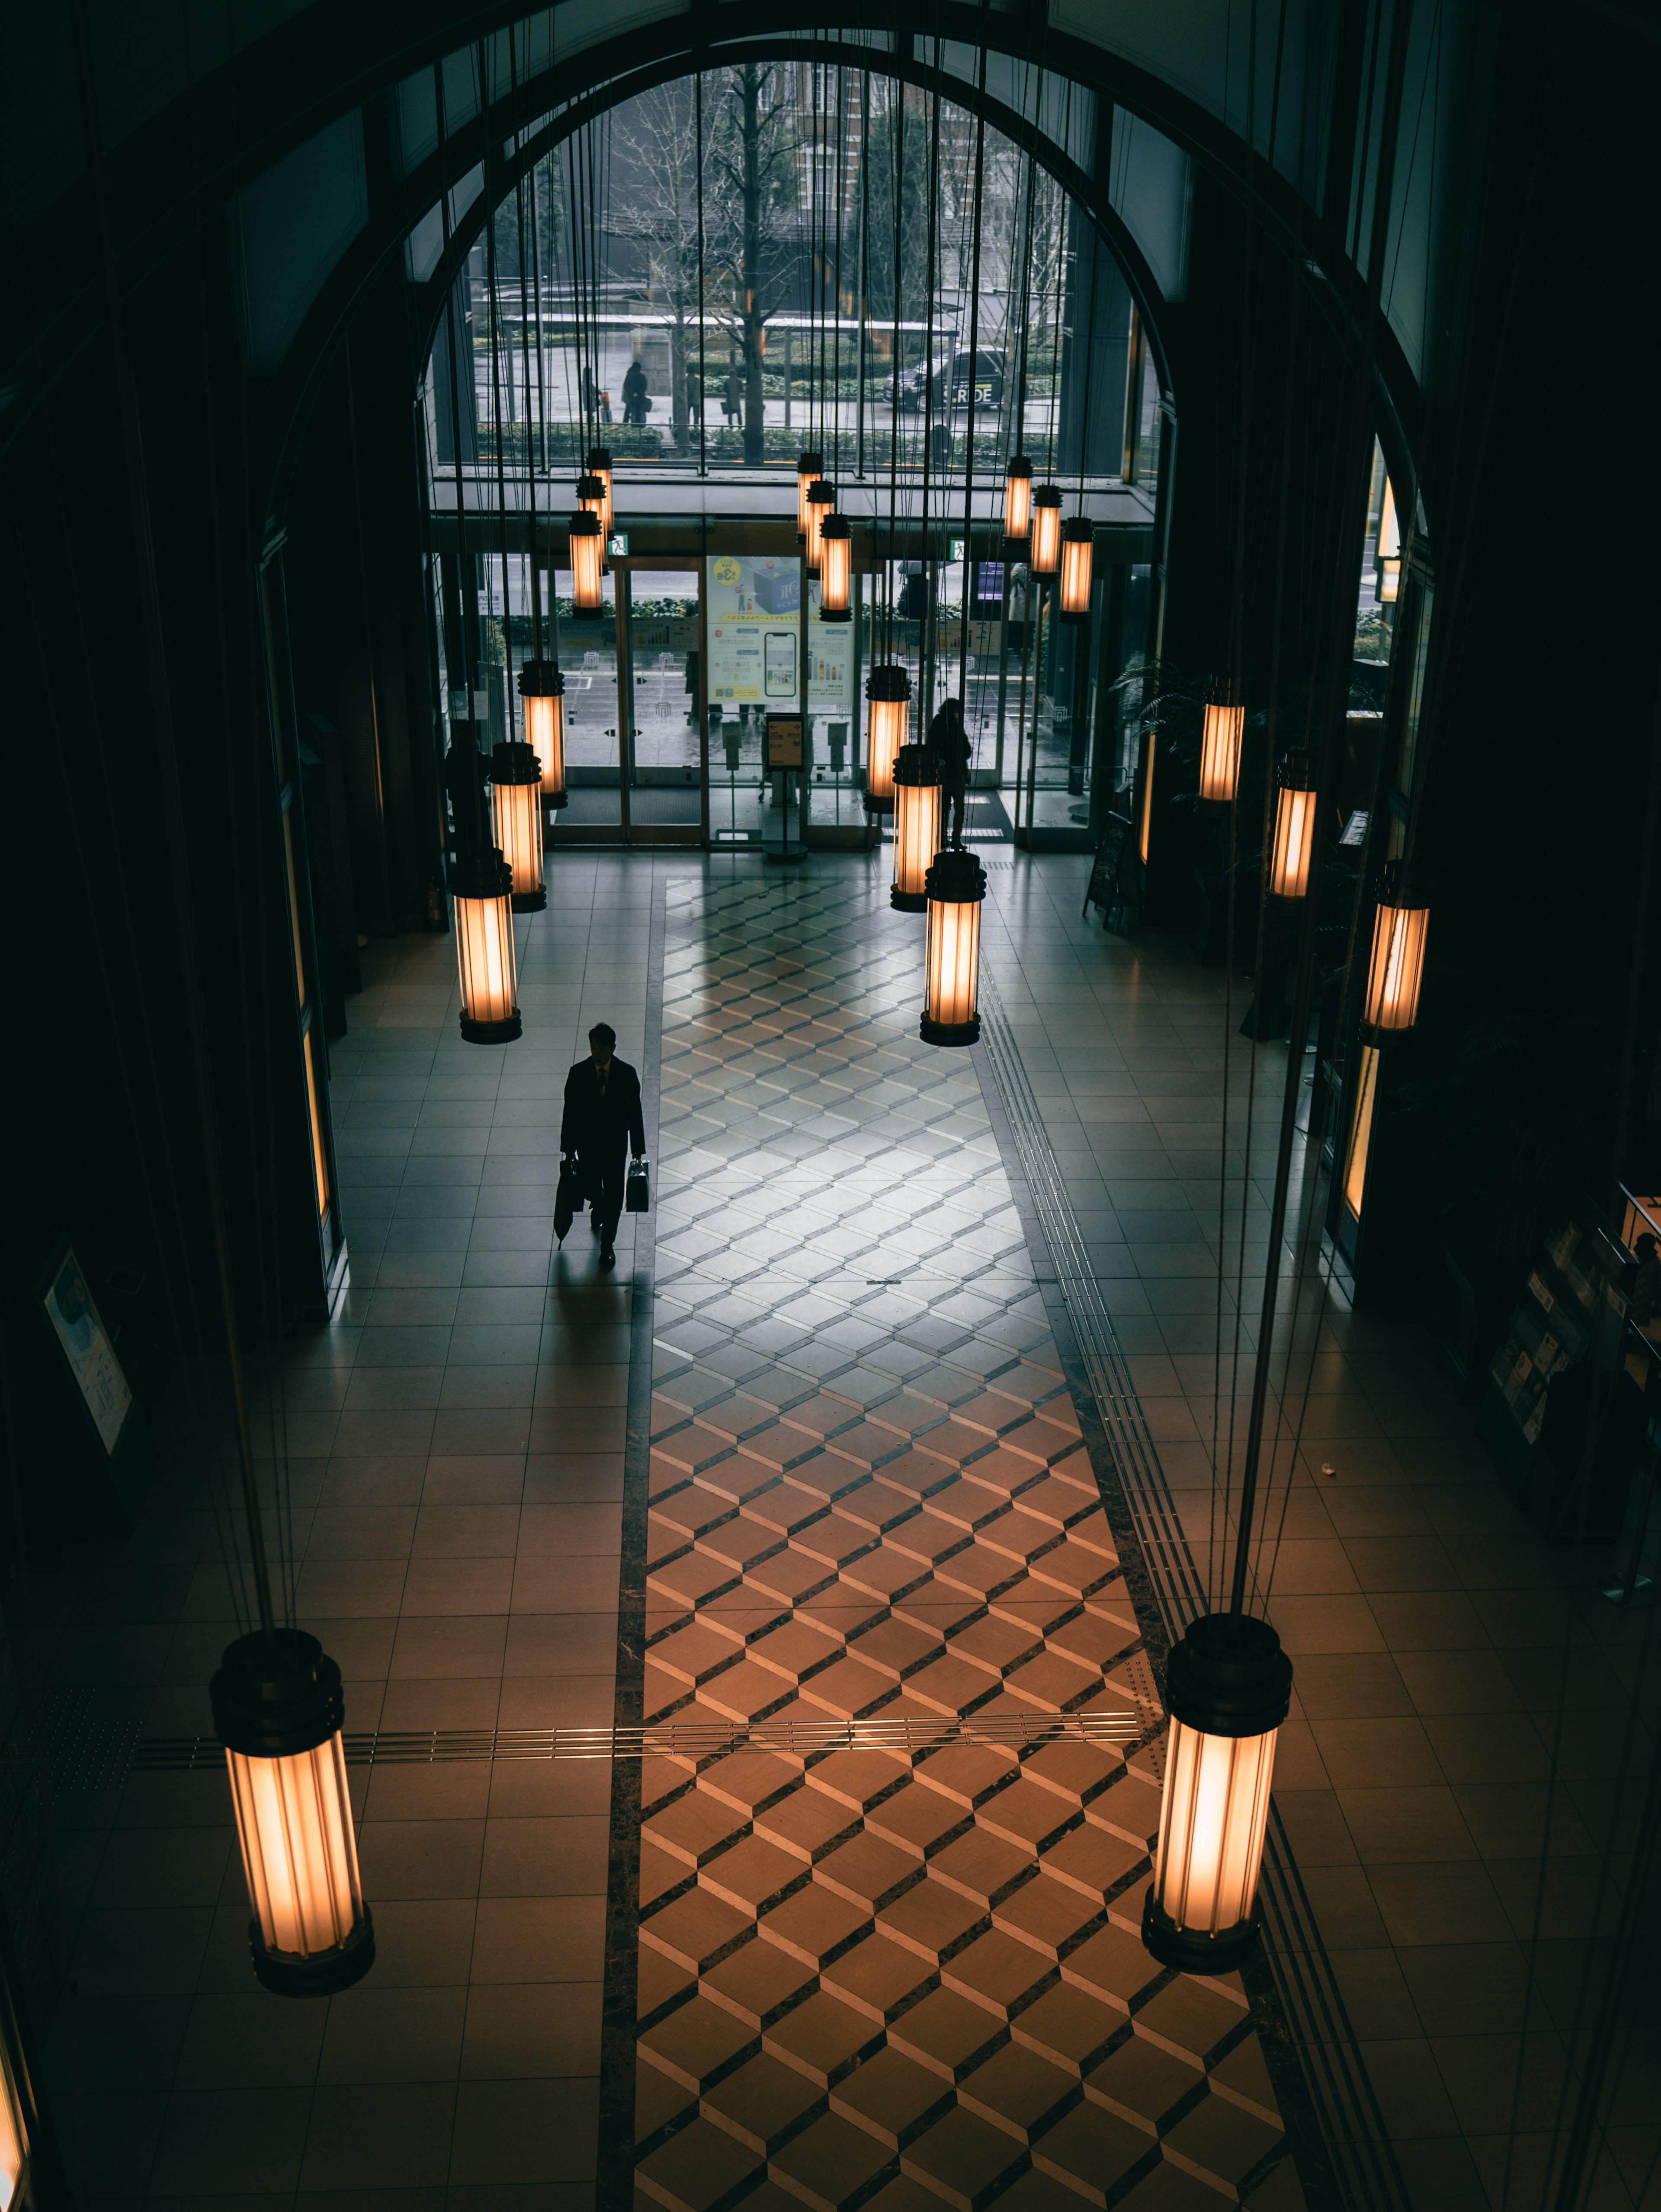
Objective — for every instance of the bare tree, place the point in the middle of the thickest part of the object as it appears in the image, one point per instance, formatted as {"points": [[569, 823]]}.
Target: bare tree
{"points": [[749, 214], [658, 134]]}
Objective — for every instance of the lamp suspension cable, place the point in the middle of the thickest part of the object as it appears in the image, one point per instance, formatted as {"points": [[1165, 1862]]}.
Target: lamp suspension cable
{"points": [[974, 371], [888, 688]]}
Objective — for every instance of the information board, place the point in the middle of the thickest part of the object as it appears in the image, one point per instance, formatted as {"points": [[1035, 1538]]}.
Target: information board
{"points": [[754, 614], [82, 1338], [784, 741], [1104, 890]]}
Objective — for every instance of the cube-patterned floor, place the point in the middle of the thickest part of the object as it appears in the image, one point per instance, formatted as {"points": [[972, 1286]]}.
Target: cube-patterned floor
{"points": [[868, 1977]]}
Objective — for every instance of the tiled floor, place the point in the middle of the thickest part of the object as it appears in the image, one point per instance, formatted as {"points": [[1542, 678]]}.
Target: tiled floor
{"points": [[865, 1977], [846, 1320]]}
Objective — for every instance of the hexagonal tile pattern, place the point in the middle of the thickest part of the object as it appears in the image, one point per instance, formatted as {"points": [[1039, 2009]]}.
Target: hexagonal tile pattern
{"points": [[905, 1982]]}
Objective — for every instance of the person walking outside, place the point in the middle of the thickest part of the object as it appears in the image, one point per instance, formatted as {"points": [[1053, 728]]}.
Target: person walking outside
{"points": [[635, 402], [600, 1126], [948, 741]]}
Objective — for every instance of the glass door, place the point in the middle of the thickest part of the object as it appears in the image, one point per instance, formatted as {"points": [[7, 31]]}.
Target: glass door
{"points": [[659, 676], [586, 649]]}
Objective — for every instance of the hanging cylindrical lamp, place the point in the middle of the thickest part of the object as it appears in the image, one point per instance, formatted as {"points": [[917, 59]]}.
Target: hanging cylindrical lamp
{"points": [[1221, 735], [889, 689], [821, 506], [810, 467], [588, 560], [954, 889], [1078, 566], [516, 804], [1045, 557], [278, 1710], [916, 825], [591, 498], [836, 570], [1295, 826], [1017, 499], [1229, 1687], [482, 886], [599, 463], [1390, 579], [13, 2131], [542, 687], [1396, 969]]}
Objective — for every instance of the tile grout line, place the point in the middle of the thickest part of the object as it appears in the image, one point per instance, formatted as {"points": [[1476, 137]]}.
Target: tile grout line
{"points": [[1338, 2094]]}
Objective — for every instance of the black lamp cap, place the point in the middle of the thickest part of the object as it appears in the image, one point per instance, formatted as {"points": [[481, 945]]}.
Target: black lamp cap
{"points": [[1080, 530], [513, 764], [835, 526], [483, 874], [821, 493], [1399, 887], [1296, 772], [541, 679], [277, 1695], [918, 767], [955, 878], [599, 457], [810, 465], [1229, 1676], [1046, 496], [888, 683], [1019, 466], [591, 487]]}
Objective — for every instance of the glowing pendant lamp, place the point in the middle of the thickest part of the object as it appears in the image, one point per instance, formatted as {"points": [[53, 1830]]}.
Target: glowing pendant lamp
{"points": [[482, 886], [599, 463], [1017, 499], [592, 498], [1295, 826], [542, 687], [1396, 969], [821, 506], [916, 825], [516, 803], [1078, 559], [954, 888], [1229, 1688], [1390, 579], [836, 570], [889, 689], [810, 467], [588, 560], [278, 1710], [13, 2129], [1045, 557], [1220, 751]]}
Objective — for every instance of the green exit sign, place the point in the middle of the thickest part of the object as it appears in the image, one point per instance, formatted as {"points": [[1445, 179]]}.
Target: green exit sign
{"points": [[954, 549], [617, 546]]}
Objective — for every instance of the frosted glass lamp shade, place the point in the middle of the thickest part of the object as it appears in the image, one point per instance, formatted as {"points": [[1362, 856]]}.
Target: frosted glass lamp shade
{"points": [[916, 825], [1295, 826], [1396, 970], [1017, 499], [481, 887], [599, 463], [1045, 557], [955, 888], [13, 2140], [821, 506], [543, 689], [587, 562], [836, 570], [590, 498], [889, 689], [810, 467], [1390, 579], [278, 1710], [1220, 751], [516, 803], [1230, 1688], [1078, 560]]}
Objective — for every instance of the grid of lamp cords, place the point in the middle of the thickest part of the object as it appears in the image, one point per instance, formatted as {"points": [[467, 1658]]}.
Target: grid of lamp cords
{"points": [[1127, 1728]]}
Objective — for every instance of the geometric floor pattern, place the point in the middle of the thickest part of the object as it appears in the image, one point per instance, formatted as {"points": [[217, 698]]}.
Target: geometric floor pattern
{"points": [[871, 1978]]}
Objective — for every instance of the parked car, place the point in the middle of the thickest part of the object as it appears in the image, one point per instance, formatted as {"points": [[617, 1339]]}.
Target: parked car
{"points": [[952, 371]]}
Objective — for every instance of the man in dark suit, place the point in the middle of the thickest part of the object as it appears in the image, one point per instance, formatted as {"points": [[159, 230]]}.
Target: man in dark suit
{"points": [[600, 1126]]}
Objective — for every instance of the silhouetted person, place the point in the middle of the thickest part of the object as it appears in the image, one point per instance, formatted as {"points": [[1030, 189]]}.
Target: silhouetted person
{"points": [[600, 1126], [634, 397], [948, 741]]}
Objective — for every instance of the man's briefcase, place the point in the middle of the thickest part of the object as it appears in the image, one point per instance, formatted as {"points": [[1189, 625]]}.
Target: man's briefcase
{"points": [[637, 1191]]}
